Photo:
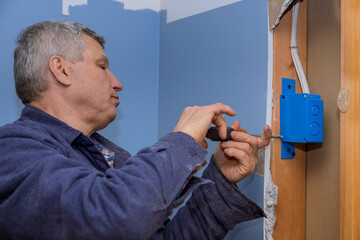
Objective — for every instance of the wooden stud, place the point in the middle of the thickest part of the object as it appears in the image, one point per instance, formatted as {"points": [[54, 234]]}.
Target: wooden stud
{"points": [[350, 122], [288, 174]]}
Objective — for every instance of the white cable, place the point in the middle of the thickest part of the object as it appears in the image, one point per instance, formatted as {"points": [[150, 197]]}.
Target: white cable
{"points": [[294, 50]]}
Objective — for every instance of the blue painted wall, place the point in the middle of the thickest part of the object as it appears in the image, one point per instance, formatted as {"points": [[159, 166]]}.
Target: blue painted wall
{"points": [[133, 49], [218, 56]]}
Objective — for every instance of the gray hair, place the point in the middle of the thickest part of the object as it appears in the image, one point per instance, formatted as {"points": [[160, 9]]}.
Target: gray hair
{"points": [[37, 44]]}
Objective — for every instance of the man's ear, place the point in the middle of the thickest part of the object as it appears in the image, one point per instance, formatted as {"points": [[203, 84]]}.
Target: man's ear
{"points": [[61, 70]]}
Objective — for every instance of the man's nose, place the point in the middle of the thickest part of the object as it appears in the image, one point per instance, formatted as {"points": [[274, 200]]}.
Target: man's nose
{"points": [[115, 83]]}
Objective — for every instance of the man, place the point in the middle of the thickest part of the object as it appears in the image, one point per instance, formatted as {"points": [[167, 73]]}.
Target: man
{"points": [[59, 179]]}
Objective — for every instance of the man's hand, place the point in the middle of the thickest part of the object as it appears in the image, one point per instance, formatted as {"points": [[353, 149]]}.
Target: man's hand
{"points": [[196, 120], [237, 158]]}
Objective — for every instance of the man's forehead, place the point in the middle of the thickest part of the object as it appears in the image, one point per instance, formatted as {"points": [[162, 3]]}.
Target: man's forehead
{"points": [[95, 48]]}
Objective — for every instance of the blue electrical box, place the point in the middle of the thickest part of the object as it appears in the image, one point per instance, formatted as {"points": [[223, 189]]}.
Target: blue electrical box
{"points": [[301, 118]]}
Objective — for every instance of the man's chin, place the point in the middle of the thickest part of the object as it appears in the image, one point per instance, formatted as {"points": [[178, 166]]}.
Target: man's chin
{"points": [[113, 116], [107, 122]]}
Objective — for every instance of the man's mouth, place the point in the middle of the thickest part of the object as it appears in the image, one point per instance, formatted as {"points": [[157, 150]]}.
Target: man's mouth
{"points": [[117, 98]]}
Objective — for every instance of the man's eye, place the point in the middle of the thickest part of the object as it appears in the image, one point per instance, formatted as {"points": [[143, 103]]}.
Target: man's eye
{"points": [[102, 67]]}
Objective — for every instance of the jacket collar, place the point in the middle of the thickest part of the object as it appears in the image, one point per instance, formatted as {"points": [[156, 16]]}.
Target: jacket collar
{"points": [[32, 113]]}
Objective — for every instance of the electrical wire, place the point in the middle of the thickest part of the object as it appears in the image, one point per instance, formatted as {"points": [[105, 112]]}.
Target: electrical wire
{"points": [[294, 50]]}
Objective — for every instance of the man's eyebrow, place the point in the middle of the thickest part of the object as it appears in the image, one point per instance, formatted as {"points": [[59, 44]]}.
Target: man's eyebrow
{"points": [[103, 59]]}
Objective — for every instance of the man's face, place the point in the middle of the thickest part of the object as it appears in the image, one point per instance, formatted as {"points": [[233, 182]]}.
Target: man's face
{"points": [[94, 86]]}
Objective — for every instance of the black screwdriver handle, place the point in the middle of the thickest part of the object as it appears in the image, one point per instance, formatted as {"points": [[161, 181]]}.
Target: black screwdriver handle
{"points": [[213, 134]]}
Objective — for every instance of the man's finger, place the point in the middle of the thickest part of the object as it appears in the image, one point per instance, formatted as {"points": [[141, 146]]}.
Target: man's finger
{"points": [[219, 120], [244, 137], [221, 127], [195, 120], [264, 139], [236, 125], [220, 108]]}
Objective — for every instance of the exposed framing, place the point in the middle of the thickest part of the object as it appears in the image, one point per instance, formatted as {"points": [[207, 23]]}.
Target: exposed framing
{"points": [[350, 122], [288, 174]]}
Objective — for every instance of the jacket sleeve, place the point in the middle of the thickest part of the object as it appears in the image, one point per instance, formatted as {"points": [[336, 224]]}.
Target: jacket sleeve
{"points": [[212, 211], [45, 194]]}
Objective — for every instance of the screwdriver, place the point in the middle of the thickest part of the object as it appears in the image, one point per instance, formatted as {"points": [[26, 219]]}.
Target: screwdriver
{"points": [[213, 134]]}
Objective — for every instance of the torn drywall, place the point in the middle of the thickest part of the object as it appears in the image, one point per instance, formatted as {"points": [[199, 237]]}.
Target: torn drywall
{"points": [[128, 4], [276, 10], [175, 9], [270, 189], [181, 9], [67, 3], [271, 196]]}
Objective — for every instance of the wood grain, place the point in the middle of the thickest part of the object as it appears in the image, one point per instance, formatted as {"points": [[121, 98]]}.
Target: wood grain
{"points": [[350, 122], [288, 174]]}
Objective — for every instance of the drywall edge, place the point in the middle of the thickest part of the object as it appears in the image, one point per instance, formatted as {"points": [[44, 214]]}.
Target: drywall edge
{"points": [[270, 189]]}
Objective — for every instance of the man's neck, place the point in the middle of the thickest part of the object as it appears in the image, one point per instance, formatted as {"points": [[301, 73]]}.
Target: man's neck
{"points": [[65, 114]]}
